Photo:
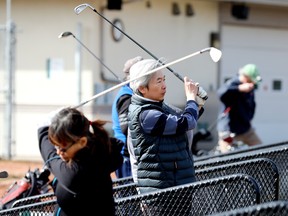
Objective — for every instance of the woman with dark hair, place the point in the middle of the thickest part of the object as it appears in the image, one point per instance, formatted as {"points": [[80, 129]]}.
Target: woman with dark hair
{"points": [[81, 156]]}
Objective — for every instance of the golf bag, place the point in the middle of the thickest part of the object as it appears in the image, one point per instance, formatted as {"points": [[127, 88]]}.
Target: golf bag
{"points": [[202, 134], [33, 183]]}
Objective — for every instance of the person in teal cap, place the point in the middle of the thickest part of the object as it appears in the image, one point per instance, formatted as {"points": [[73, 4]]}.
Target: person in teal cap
{"points": [[238, 96]]}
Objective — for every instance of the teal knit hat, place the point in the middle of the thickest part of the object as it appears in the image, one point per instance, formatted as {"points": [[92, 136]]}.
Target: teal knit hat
{"points": [[252, 72]]}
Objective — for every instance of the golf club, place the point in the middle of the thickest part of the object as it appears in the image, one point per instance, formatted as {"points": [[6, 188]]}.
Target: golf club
{"points": [[222, 115], [3, 174], [215, 54], [135, 78], [66, 34], [203, 133]]}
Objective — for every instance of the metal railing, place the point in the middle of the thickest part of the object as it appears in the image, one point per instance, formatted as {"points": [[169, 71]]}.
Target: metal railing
{"points": [[241, 151], [263, 170], [275, 208], [34, 199], [279, 155], [199, 198], [122, 181], [267, 167], [45, 208]]}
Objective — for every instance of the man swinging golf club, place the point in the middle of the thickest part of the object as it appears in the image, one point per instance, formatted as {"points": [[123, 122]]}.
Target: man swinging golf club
{"points": [[238, 93]]}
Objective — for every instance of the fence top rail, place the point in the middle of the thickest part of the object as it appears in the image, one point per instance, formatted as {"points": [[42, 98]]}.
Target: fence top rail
{"points": [[242, 151], [120, 180], [275, 208], [243, 155], [197, 184], [264, 170], [124, 186], [35, 206], [241, 163], [33, 199], [47, 207]]}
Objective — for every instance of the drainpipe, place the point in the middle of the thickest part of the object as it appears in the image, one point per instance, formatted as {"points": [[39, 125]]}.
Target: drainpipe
{"points": [[9, 90], [102, 74]]}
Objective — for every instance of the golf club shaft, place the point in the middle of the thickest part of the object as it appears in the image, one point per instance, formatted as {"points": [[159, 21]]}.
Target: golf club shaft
{"points": [[176, 74], [97, 58], [202, 93], [222, 115], [130, 80]]}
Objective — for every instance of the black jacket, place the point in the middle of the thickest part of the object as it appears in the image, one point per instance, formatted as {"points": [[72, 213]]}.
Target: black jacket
{"points": [[242, 106], [83, 187]]}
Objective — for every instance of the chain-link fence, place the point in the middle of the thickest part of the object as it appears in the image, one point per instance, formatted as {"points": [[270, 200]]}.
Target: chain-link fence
{"points": [[278, 154], [239, 151], [122, 181], [199, 198], [263, 179], [263, 170], [34, 199], [275, 208], [268, 178]]}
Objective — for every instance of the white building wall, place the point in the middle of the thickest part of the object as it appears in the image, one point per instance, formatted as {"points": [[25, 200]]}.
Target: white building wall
{"points": [[168, 36], [38, 24]]}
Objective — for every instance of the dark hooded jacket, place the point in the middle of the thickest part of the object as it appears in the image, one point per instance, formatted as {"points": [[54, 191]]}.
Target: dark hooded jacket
{"points": [[242, 107]]}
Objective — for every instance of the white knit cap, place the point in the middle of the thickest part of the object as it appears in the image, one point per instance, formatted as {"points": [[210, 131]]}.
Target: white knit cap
{"points": [[131, 62]]}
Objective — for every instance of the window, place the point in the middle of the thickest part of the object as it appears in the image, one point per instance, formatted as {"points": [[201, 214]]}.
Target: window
{"points": [[276, 85]]}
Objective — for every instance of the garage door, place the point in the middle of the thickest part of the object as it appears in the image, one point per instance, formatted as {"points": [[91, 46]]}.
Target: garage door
{"points": [[267, 48]]}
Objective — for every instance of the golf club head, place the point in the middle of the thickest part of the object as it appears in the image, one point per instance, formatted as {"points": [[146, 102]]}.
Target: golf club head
{"points": [[78, 9], [65, 34], [215, 54]]}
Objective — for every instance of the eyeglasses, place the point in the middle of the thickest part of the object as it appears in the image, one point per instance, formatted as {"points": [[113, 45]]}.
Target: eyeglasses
{"points": [[65, 148]]}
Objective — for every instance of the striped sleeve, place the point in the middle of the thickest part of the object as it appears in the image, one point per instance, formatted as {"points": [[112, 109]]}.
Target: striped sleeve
{"points": [[156, 122]]}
